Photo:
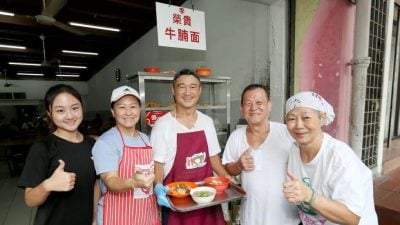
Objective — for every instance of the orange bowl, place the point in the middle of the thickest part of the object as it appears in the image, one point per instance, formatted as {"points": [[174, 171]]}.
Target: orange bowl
{"points": [[180, 189], [202, 71], [152, 69], [219, 183]]}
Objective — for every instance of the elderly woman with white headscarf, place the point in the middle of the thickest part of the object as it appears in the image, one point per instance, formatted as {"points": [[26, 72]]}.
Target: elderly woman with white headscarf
{"points": [[326, 180]]}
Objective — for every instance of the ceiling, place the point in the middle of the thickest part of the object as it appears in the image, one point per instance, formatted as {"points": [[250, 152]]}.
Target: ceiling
{"points": [[133, 17]]}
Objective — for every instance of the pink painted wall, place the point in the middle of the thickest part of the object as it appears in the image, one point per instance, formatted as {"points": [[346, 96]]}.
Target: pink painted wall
{"points": [[325, 50]]}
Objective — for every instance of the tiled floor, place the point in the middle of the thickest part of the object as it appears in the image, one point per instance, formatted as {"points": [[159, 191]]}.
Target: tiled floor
{"points": [[387, 187], [387, 198], [12, 207]]}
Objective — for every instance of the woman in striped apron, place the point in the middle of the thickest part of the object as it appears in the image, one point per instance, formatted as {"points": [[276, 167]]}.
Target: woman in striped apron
{"points": [[124, 161]]}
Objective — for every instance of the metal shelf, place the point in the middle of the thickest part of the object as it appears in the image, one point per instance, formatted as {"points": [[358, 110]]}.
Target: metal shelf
{"points": [[153, 86]]}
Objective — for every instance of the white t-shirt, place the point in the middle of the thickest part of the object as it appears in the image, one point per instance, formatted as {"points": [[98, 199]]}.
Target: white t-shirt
{"points": [[163, 137], [264, 202], [337, 173]]}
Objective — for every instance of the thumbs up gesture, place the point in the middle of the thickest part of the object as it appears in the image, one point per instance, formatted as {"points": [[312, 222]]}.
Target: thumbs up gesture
{"points": [[246, 160], [295, 190], [60, 180]]}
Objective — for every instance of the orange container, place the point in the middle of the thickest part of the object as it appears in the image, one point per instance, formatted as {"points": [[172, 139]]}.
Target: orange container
{"points": [[203, 71], [152, 69], [183, 185], [219, 183]]}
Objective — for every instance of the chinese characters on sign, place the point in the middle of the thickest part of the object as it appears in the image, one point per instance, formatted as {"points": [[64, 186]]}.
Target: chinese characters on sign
{"points": [[180, 27]]}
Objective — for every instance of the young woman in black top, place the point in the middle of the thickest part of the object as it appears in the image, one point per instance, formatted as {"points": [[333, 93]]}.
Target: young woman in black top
{"points": [[59, 176]]}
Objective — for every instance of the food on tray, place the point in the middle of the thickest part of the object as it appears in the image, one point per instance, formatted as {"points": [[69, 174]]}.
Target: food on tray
{"points": [[180, 189], [202, 195], [194, 202], [215, 182], [219, 183]]}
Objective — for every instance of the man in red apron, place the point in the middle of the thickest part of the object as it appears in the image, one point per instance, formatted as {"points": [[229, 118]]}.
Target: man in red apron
{"points": [[186, 148]]}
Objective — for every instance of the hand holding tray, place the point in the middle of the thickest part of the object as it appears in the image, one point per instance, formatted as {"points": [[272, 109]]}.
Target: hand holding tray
{"points": [[234, 192]]}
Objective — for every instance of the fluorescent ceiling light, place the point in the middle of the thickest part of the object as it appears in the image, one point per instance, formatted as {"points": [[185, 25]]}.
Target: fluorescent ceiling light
{"points": [[80, 52], [38, 64], [67, 75], [4, 13], [94, 26], [30, 74], [24, 64], [73, 67], [12, 46]]}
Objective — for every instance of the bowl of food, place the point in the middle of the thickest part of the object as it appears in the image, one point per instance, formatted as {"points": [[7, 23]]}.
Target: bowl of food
{"points": [[203, 194], [220, 184], [180, 189]]}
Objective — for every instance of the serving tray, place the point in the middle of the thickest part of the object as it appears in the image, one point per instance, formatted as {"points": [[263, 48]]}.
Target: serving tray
{"points": [[233, 192]]}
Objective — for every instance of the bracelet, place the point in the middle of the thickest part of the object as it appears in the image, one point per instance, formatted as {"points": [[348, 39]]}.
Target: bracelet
{"points": [[313, 197]]}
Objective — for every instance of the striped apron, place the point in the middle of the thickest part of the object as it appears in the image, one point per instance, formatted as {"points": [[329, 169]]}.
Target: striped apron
{"points": [[138, 205]]}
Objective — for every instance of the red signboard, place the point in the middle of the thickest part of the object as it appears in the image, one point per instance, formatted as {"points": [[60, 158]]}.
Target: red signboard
{"points": [[152, 116]]}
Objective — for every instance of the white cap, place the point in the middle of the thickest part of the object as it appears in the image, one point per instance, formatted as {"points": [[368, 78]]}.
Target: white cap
{"points": [[309, 99], [122, 91]]}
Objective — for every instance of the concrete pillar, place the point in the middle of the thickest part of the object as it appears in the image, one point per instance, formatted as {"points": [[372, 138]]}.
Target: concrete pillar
{"points": [[360, 65]]}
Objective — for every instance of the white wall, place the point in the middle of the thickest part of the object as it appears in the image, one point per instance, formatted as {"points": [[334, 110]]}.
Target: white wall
{"points": [[245, 41]]}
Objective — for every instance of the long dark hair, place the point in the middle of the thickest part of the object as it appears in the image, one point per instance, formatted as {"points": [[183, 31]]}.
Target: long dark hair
{"points": [[52, 93]]}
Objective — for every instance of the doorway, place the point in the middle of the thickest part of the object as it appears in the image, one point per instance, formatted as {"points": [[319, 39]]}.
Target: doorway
{"points": [[392, 126]]}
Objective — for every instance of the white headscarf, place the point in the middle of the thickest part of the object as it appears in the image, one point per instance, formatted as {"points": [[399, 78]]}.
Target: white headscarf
{"points": [[309, 99]]}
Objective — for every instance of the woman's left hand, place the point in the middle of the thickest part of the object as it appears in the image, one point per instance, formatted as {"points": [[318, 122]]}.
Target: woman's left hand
{"points": [[295, 190]]}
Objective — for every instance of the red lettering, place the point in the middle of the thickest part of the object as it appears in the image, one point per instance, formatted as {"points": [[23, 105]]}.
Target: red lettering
{"points": [[183, 35], [170, 32], [194, 36], [187, 20], [176, 18]]}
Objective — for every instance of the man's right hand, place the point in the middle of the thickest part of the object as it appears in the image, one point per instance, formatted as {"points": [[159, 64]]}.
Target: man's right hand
{"points": [[246, 160], [161, 193]]}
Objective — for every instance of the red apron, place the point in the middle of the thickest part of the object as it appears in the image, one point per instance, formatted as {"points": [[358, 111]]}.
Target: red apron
{"points": [[192, 163], [138, 205]]}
